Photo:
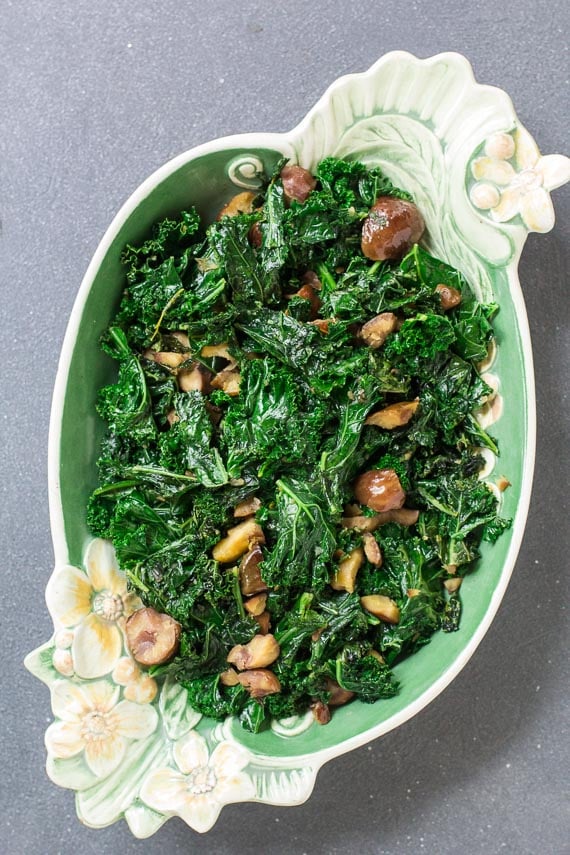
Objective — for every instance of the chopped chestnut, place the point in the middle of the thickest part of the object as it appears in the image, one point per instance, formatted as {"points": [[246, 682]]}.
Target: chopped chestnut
{"points": [[394, 415], [256, 604], [263, 621], [247, 507], [260, 682], [297, 183], [182, 338], [402, 516], [255, 235], [250, 580], [228, 380], [339, 696], [262, 650], [194, 379], [238, 541], [352, 510], [449, 297], [170, 359], [391, 228], [209, 351], [379, 489], [322, 324], [311, 278], [321, 712], [381, 607], [371, 549], [375, 331], [229, 677], [307, 292], [152, 637], [241, 203], [344, 577]]}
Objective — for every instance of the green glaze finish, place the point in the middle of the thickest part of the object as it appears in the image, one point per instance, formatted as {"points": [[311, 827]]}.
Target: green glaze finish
{"points": [[444, 138]]}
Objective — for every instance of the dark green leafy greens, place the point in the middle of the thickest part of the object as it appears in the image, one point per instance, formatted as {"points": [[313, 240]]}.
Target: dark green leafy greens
{"points": [[178, 459]]}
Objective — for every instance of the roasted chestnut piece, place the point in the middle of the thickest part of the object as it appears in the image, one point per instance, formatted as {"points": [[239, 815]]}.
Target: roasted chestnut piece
{"points": [[260, 682], [152, 637], [375, 331], [450, 297], [242, 203], [297, 183], [339, 696], [249, 573], [238, 541], [391, 228], [379, 489], [261, 651]]}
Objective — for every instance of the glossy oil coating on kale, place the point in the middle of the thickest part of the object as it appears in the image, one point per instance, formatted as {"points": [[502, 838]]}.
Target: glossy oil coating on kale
{"points": [[259, 362]]}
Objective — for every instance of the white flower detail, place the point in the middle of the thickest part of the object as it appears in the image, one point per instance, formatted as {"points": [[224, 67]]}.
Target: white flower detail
{"points": [[63, 662], [523, 188], [93, 722], [139, 687], [97, 603], [202, 786]]}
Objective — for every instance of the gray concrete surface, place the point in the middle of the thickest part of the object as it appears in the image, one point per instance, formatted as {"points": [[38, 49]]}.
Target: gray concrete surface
{"points": [[94, 97]]}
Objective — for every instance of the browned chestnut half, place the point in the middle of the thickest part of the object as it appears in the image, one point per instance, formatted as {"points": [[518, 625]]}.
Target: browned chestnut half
{"points": [[261, 651], [379, 489], [321, 712], [450, 297], [307, 292], [152, 637], [242, 203], [255, 235], [297, 183], [260, 682], [402, 516], [249, 573], [339, 696], [391, 228]]}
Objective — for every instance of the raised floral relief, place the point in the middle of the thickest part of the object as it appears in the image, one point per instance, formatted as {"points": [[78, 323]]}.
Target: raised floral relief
{"points": [[95, 722], [139, 687], [513, 179], [201, 785], [92, 608]]}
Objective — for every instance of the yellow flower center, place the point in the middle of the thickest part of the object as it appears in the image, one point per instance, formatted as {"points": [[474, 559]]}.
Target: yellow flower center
{"points": [[201, 780], [108, 606], [96, 726]]}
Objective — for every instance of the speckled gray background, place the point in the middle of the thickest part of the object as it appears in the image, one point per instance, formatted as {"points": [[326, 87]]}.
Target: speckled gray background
{"points": [[93, 97]]}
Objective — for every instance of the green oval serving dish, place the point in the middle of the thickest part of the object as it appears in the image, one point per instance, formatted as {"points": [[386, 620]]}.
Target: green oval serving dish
{"points": [[131, 746]]}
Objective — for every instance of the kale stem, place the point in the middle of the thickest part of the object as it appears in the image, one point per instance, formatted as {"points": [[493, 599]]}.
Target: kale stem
{"points": [[169, 305], [137, 582], [326, 276], [237, 591]]}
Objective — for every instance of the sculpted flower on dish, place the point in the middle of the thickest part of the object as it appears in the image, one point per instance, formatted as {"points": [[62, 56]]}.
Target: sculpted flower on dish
{"points": [[139, 687], [201, 785], [94, 723], [514, 179], [95, 603]]}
